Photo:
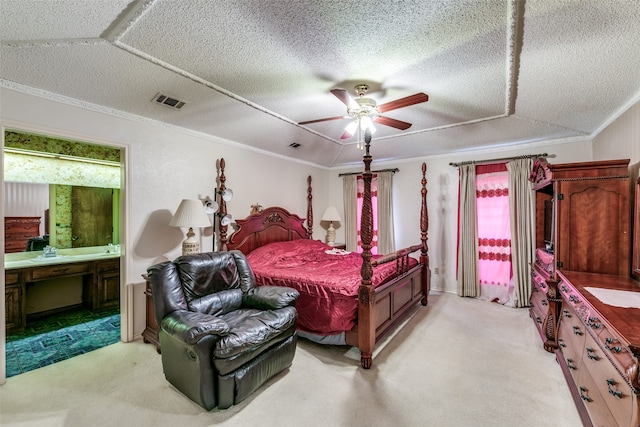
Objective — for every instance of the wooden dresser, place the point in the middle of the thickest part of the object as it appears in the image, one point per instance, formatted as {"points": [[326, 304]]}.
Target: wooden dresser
{"points": [[18, 230], [582, 224], [600, 348], [583, 241]]}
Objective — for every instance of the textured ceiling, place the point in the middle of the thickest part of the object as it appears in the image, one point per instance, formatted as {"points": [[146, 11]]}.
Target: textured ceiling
{"points": [[497, 72]]}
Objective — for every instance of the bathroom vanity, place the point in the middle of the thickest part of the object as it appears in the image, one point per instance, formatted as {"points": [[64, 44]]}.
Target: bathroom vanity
{"points": [[99, 273]]}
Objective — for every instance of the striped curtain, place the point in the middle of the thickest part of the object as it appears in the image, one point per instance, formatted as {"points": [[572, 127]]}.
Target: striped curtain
{"points": [[468, 285], [523, 241]]}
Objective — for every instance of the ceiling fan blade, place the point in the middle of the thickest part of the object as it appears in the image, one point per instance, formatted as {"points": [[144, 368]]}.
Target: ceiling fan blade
{"points": [[346, 99], [388, 121], [403, 102], [321, 120]]}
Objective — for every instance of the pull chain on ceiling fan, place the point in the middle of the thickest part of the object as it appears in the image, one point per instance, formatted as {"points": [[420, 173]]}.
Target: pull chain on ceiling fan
{"points": [[364, 111]]}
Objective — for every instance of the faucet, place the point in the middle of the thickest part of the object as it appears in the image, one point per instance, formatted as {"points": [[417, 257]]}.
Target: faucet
{"points": [[50, 251]]}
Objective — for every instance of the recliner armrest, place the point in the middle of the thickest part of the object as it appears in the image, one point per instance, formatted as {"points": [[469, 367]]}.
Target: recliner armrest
{"points": [[190, 326], [270, 297]]}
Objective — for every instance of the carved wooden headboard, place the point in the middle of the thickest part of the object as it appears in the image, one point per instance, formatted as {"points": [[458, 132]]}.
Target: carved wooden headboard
{"points": [[274, 224]]}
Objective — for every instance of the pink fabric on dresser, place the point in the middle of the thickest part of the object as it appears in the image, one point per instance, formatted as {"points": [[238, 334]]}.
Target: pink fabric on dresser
{"points": [[328, 283]]}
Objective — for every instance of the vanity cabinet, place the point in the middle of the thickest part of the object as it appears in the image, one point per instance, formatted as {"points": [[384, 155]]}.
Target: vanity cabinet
{"points": [[13, 301], [17, 232], [100, 286], [108, 286]]}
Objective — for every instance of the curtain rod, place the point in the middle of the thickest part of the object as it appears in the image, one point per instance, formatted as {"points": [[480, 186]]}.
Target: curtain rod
{"points": [[394, 170], [526, 156]]}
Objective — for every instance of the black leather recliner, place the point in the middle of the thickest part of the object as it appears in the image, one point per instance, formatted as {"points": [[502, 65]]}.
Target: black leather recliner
{"points": [[221, 335]]}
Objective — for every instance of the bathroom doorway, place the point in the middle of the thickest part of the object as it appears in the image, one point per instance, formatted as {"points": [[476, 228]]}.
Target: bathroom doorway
{"points": [[83, 212]]}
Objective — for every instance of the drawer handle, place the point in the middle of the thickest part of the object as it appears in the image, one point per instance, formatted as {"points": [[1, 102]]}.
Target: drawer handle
{"points": [[614, 393], [576, 331], [566, 313], [561, 342], [569, 364], [593, 322], [544, 302], [583, 396], [614, 349], [591, 354], [574, 299]]}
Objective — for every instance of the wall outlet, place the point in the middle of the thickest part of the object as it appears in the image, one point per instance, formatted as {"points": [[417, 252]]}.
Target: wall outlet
{"points": [[436, 270]]}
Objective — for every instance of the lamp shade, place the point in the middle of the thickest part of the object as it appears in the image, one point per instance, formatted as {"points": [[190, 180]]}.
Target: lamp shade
{"points": [[190, 213], [331, 214]]}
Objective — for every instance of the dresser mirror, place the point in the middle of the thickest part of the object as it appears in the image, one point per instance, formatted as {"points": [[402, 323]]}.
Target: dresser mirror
{"points": [[635, 260]]}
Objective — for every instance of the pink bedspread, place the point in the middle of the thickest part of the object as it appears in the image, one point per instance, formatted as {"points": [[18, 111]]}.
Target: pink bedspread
{"points": [[328, 281]]}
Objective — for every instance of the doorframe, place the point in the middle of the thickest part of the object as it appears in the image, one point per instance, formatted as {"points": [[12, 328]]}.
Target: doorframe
{"points": [[126, 295]]}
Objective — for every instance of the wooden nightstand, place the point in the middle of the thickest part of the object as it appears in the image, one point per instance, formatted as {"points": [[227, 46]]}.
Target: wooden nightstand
{"points": [[150, 333]]}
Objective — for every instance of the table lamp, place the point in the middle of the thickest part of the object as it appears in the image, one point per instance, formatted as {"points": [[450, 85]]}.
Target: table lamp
{"points": [[190, 213], [331, 215]]}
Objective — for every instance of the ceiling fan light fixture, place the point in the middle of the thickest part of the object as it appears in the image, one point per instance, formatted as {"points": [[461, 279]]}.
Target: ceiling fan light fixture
{"points": [[351, 128], [367, 123]]}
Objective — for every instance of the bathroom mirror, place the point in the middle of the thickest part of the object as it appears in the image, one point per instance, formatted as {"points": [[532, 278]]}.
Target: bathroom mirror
{"points": [[71, 188]]}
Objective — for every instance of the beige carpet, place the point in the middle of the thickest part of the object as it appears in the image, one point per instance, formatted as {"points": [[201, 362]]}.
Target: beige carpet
{"points": [[457, 362]]}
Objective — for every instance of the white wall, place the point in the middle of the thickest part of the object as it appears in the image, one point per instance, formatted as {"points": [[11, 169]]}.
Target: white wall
{"points": [[621, 139]]}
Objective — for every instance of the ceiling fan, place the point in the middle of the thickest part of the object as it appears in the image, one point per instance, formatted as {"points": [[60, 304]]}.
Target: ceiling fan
{"points": [[364, 110]]}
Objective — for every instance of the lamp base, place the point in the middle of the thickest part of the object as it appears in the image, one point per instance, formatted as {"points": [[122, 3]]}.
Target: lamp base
{"points": [[190, 246], [331, 235]]}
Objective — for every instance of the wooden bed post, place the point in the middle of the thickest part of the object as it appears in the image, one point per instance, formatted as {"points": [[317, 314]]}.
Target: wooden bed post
{"points": [[309, 209], [223, 208], [424, 226], [366, 292]]}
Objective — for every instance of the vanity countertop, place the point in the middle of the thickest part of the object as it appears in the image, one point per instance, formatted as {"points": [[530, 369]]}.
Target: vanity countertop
{"points": [[64, 256]]}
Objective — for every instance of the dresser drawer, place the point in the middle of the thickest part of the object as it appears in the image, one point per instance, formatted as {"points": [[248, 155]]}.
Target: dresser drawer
{"points": [[60, 270], [571, 343], [594, 402], [11, 277], [539, 300], [615, 391], [110, 265]]}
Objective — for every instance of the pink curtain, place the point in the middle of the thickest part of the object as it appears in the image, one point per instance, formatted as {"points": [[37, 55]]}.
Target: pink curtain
{"points": [[374, 209], [494, 233]]}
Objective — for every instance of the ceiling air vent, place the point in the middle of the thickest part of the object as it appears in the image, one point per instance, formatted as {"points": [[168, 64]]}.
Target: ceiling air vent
{"points": [[168, 101], [295, 145]]}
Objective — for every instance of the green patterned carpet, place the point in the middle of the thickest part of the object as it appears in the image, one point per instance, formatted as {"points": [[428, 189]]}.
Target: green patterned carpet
{"points": [[59, 337]]}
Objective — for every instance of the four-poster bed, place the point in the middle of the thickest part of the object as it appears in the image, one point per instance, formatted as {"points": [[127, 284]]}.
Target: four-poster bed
{"points": [[354, 297]]}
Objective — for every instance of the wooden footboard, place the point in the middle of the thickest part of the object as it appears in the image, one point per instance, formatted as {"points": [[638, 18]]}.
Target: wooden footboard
{"points": [[392, 302]]}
